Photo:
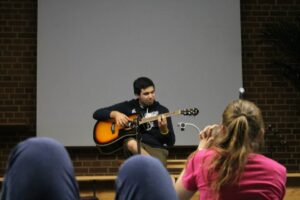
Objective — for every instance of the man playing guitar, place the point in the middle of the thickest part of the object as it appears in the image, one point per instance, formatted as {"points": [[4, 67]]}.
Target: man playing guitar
{"points": [[155, 135]]}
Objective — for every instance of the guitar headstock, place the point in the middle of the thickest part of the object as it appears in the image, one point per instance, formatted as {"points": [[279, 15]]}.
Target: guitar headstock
{"points": [[190, 111]]}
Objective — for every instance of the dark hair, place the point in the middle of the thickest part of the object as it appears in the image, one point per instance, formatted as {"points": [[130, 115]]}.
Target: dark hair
{"points": [[141, 83]]}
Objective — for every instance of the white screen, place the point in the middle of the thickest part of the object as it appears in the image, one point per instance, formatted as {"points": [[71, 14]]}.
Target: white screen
{"points": [[90, 52]]}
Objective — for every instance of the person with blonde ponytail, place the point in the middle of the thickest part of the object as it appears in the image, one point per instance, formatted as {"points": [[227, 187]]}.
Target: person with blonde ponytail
{"points": [[227, 163]]}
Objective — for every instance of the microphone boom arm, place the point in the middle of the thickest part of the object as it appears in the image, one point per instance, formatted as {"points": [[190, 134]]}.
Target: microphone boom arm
{"points": [[183, 125]]}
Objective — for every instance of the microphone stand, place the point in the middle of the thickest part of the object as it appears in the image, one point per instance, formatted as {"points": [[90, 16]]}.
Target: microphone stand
{"points": [[138, 134], [183, 125], [241, 93]]}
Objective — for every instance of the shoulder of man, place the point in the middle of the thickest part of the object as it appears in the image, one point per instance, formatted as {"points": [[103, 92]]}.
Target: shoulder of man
{"points": [[133, 102]]}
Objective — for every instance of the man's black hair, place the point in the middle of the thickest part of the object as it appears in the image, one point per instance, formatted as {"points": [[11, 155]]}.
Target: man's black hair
{"points": [[142, 83]]}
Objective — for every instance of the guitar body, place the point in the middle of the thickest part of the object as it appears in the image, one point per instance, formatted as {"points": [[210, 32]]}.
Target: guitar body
{"points": [[109, 137]]}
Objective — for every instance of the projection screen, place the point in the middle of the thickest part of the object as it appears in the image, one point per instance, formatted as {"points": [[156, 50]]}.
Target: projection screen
{"points": [[90, 52]]}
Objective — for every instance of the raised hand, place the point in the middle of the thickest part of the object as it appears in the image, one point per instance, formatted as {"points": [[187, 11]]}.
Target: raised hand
{"points": [[207, 136]]}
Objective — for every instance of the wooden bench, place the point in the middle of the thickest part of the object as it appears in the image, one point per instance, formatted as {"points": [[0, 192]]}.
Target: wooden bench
{"points": [[176, 163], [175, 166], [93, 180]]}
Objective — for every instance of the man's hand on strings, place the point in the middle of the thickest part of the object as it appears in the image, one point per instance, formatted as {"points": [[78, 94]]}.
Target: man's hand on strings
{"points": [[163, 124]]}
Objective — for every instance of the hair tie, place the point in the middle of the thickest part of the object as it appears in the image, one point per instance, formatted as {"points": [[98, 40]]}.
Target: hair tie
{"points": [[243, 114]]}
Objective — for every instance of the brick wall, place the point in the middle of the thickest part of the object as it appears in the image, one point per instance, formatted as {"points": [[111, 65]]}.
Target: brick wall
{"points": [[264, 84], [275, 95], [18, 30]]}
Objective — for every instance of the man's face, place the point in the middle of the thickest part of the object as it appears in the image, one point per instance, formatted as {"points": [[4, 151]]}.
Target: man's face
{"points": [[147, 96]]}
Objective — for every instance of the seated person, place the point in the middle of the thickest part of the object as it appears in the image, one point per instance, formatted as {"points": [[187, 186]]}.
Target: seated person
{"points": [[156, 135], [145, 178], [39, 168], [227, 165]]}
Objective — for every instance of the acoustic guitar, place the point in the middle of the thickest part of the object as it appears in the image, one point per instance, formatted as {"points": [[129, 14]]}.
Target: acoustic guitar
{"points": [[109, 136]]}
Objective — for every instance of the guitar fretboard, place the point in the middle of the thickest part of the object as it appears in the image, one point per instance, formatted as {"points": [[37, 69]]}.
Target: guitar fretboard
{"points": [[150, 119]]}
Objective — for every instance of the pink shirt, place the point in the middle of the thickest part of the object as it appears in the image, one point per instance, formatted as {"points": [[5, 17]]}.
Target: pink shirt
{"points": [[263, 178]]}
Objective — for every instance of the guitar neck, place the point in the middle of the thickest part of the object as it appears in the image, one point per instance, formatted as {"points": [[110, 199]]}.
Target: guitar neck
{"points": [[150, 119]]}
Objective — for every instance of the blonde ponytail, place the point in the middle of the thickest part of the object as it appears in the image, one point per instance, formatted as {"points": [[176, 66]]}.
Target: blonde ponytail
{"points": [[243, 124]]}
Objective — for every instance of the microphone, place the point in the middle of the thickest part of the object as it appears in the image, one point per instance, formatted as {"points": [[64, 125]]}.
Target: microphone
{"points": [[182, 126], [241, 93]]}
